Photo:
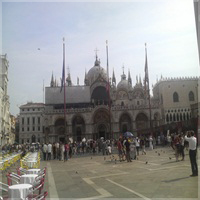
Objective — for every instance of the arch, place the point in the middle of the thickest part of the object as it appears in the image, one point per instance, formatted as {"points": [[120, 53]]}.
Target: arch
{"points": [[122, 94], [170, 117], [181, 117], [125, 123], [141, 121], [177, 116], [174, 117], [60, 126], [100, 95], [167, 118], [191, 96], [33, 139], [101, 120], [184, 117], [175, 97], [122, 103], [78, 127], [188, 116]]}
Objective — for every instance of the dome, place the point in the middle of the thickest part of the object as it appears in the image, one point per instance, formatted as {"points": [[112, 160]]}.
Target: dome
{"points": [[123, 84], [95, 71]]}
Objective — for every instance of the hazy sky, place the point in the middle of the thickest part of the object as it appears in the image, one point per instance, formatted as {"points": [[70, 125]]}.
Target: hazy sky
{"points": [[168, 28]]}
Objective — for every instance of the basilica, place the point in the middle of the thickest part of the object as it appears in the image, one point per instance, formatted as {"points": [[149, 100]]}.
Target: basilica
{"points": [[92, 112]]}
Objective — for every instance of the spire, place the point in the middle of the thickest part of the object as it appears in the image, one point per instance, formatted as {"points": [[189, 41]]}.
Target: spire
{"points": [[136, 79], [86, 80], [55, 82], [140, 82], [123, 76], [52, 81], [113, 78], [97, 62], [129, 77], [68, 79]]}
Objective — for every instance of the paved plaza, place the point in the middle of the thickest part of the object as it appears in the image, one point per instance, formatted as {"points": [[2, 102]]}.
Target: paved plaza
{"points": [[94, 177], [152, 176]]}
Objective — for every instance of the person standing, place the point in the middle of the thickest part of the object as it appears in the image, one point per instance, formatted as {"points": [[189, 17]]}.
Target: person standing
{"points": [[150, 143], [137, 144], [44, 151], [127, 145], [192, 152], [49, 150]]}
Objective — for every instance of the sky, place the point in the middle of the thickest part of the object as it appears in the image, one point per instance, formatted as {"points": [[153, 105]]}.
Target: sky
{"points": [[32, 34]]}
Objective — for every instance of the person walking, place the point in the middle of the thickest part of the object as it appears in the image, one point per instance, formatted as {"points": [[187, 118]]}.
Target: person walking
{"points": [[192, 152]]}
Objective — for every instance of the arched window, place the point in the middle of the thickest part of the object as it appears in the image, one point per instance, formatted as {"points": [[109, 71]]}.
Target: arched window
{"points": [[188, 116], [175, 97], [167, 118], [174, 117], [181, 117], [170, 117], [177, 117], [191, 96], [184, 117], [122, 103]]}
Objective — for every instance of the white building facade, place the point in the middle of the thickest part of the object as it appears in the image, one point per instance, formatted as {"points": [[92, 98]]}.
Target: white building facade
{"points": [[5, 120], [31, 123]]}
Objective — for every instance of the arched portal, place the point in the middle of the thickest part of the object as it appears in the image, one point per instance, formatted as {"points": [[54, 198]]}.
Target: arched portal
{"points": [[59, 130], [33, 139], [125, 123], [101, 124], [78, 128], [141, 121]]}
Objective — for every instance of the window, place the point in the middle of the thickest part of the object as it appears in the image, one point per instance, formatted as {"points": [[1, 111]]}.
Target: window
{"points": [[191, 96], [28, 140], [28, 121], [22, 141], [38, 128], [38, 120], [33, 109], [27, 128], [22, 129], [175, 97], [138, 103], [33, 128], [33, 120], [122, 103], [22, 120]]}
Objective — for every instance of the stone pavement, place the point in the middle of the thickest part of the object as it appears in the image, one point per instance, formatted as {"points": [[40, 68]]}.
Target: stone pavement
{"points": [[152, 176]]}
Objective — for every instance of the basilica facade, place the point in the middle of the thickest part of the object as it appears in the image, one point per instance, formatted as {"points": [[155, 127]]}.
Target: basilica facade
{"points": [[92, 112]]}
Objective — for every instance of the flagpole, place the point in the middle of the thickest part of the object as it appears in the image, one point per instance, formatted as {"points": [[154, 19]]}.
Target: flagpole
{"points": [[148, 90], [64, 86], [108, 87]]}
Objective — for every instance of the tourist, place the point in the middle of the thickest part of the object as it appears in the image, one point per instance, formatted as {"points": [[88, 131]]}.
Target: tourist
{"points": [[44, 151], [66, 152], [192, 152], [150, 143], [119, 147], [182, 141], [177, 146], [127, 145], [137, 143], [49, 151]]}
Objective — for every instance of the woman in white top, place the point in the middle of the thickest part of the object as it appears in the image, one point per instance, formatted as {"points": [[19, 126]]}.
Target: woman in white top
{"points": [[137, 144]]}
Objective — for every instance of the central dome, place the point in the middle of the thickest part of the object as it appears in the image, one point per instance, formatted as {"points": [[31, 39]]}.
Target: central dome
{"points": [[95, 72]]}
